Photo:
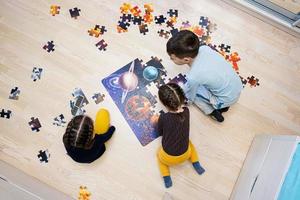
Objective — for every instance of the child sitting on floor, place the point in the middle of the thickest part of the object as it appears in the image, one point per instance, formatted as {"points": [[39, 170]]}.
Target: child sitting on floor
{"points": [[83, 141], [212, 84], [174, 128]]}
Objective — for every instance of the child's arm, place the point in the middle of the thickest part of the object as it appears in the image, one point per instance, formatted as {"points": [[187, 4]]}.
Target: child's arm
{"points": [[190, 89], [102, 138]]}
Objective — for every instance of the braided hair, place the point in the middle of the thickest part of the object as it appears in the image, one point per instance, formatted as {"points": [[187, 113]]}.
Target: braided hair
{"points": [[171, 95], [79, 133]]}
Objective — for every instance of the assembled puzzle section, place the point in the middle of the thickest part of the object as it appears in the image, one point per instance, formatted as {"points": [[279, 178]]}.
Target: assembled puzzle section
{"points": [[78, 103], [134, 89]]}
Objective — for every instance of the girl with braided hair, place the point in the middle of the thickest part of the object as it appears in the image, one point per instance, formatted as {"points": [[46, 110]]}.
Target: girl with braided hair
{"points": [[83, 140], [173, 126]]}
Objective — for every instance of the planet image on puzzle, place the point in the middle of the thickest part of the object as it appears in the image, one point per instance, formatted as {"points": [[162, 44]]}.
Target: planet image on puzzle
{"points": [[137, 108], [128, 81], [150, 73]]}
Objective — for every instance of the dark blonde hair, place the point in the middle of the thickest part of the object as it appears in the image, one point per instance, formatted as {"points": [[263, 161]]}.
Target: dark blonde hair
{"points": [[171, 95], [79, 133]]}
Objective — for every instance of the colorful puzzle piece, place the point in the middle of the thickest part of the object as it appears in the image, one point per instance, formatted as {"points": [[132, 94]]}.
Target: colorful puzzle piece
{"points": [[173, 13], [35, 124], [84, 194], [49, 46], [5, 114], [54, 10], [59, 121], [74, 12], [135, 11], [36, 73], [97, 30], [125, 8], [253, 81], [14, 93], [44, 156]]}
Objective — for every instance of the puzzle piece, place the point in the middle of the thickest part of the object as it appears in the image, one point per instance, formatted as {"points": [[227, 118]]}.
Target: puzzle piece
{"points": [[101, 45], [244, 81], [173, 13], [84, 194], [14, 93], [163, 33], [160, 19], [126, 17], [59, 121], [143, 28], [54, 10], [5, 114], [80, 100], [171, 21], [35, 124], [98, 97], [204, 22], [212, 27], [74, 12], [44, 156], [225, 48], [97, 30], [198, 31], [124, 25], [135, 11], [234, 58], [185, 25], [49, 46], [148, 18], [121, 30], [253, 81], [137, 20], [149, 8], [125, 8], [174, 31], [36, 73]]}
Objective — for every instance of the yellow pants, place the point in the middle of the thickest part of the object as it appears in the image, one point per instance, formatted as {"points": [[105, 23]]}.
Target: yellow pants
{"points": [[165, 160]]}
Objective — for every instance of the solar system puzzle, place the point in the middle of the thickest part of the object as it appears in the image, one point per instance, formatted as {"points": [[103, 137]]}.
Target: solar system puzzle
{"points": [[134, 90]]}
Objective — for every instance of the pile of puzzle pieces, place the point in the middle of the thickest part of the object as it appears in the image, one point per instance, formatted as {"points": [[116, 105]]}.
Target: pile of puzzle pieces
{"points": [[134, 14]]}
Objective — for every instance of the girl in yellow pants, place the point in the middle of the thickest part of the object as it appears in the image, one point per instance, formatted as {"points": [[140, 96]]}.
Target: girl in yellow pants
{"points": [[173, 126]]}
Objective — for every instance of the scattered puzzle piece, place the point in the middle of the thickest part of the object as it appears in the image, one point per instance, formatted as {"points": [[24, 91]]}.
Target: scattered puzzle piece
{"points": [[126, 17], [49, 46], [14, 93], [5, 114], [253, 81], [36, 73], [163, 33], [84, 194], [173, 13], [74, 12], [101, 45], [225, 48], [137, 20], [135, 11], [59, 121], [98, 97], [35, 124], [244, 81], [160, 19], [44, 156], [174, 31], [204, 22], [143, 28], [97, 30], [125, 8], [54, 10]]}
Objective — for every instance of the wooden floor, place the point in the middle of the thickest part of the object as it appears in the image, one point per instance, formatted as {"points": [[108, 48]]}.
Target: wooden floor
{"points": [[127, 170]]}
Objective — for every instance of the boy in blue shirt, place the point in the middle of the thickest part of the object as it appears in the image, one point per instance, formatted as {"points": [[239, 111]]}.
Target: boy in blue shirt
{"points": [[212, 84]]}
